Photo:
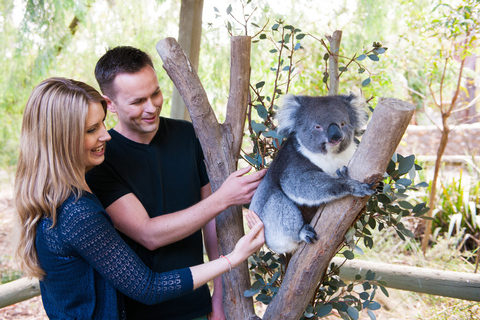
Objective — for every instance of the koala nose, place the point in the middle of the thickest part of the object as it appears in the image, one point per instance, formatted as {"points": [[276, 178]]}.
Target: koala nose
{"points": [[334, 134]]}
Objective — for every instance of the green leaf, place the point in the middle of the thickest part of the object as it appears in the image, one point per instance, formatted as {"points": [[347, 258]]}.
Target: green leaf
{"points": [[289, 27], [300, 36], [385, 292], [374, 305], [323, 311], [361, 57], [273, 51], [370, 275], [371, 315], [229, 9], [297, 46], [286, 68], [263, 36], [364, 295], [404, 182], [260, 84], [258, 127], [408, 233], [405, 205], [287, 38], [275, 26], [366, 82], [262, 112], [406, 164], [422, 184], [326, 56], [373, 57], [353, 313], [379, 50], [348, 254], [250, 293], [341, 69], [368, 242]]}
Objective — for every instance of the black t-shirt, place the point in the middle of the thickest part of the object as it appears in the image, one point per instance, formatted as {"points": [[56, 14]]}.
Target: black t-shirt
{"points": [[166, 175]]}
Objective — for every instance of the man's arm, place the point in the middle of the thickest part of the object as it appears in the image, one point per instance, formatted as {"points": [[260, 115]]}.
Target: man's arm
{"points": [[130, 217]]}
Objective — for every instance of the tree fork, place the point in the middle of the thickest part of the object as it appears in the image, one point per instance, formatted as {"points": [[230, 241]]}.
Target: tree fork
{"points": [[221, 147], [310, 262]]}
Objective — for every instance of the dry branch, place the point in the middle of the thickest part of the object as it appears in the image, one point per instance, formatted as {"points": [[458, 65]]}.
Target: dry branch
{"points": [[309, 263]]}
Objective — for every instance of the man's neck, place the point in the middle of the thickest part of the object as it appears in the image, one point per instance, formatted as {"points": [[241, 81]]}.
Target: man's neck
{"points": [[138, 137]]}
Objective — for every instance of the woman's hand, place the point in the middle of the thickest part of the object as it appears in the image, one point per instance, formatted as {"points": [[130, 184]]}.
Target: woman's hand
{"points": [[250, 242]]}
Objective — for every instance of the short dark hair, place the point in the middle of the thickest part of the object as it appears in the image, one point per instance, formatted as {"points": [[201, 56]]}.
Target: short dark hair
{"points": [[122, 59]]}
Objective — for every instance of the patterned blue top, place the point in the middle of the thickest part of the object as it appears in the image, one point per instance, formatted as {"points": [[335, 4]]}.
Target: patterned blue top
{"points": [[85, 261]]}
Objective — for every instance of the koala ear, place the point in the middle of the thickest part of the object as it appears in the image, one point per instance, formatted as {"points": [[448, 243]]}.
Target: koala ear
{"points": [[286, 115], [358, 115]]}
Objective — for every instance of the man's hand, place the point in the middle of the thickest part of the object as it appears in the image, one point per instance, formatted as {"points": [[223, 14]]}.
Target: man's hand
{"points": [[238, 188]]}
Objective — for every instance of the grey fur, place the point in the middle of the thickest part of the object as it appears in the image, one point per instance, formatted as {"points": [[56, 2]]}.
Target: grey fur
{"points": [[310, 168]]}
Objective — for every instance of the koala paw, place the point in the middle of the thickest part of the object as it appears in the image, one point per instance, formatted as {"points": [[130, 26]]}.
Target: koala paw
{"points": [[343, 172], [363, 189], [308, 234]]}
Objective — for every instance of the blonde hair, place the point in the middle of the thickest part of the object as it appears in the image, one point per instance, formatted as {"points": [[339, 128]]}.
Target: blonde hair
{"points": [[51, 161]]}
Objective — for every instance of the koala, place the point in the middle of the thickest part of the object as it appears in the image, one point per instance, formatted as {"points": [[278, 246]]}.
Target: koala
{"points": [[310, 168]]}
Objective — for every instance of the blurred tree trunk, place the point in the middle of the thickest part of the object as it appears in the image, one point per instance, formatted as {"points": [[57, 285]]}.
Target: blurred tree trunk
{"points": [[221, 146], [189, 37]]}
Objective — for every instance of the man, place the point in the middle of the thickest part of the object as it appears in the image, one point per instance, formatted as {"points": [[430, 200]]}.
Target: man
{"points": [[153, 184]]}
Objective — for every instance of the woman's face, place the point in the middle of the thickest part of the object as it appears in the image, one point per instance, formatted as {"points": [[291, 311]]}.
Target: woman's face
{"points": [[95, 135]]}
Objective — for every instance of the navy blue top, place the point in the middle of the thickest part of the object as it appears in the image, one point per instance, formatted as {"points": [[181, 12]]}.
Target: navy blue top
{"points": [[85, 261], [166, 175]]}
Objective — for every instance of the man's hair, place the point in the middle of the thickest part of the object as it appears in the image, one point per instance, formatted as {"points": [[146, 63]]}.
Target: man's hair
{"points": [[51, 161], [122, 59]]}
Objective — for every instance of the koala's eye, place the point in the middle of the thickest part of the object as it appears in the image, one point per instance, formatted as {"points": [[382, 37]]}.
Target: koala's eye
{"points": [[318, 127], [342, 124]]}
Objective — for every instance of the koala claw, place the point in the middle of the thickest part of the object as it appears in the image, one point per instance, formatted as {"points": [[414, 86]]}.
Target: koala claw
{"points": [[342, 172], [308, 234]]}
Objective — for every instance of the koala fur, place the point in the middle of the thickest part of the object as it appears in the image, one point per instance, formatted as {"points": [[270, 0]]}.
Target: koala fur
{"points": [[310, 168]]}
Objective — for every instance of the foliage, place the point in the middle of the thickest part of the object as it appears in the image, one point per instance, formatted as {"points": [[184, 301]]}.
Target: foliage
{"points": [[457, 211]]}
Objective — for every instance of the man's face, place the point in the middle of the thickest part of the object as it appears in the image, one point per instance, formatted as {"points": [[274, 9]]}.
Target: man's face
{"points": [[137, 103]]}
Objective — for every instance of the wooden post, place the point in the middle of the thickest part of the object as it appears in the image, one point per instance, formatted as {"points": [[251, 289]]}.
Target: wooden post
{"points": [[189, 37], [309, 263], [459, 285], [18, 290], [221, 146], [335, 39]]}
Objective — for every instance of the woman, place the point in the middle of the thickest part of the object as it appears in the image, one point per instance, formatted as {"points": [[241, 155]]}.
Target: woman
{"points": [[67, 240]]}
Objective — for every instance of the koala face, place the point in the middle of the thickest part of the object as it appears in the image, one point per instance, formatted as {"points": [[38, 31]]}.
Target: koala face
{"points": [[321, 124]]}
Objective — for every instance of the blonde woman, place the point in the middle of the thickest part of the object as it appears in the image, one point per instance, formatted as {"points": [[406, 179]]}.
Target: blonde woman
{"points": [[67, 240]]}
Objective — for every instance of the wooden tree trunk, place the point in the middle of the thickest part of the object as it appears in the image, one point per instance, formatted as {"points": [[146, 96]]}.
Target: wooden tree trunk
{"points": [[221, 145], [335, 39], [189, 36], [310, 262]]}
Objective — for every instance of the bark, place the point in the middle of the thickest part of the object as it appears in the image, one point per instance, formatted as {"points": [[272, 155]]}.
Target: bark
{"points": [[220, 144], [334, 41], [309, 263], [189, 37]]}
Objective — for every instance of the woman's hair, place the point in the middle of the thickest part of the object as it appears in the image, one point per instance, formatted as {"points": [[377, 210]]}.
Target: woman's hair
{"points": [[51, 161]]}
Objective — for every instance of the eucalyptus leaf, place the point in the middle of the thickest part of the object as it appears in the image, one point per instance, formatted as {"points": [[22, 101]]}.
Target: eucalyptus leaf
{"points": [[323, 311], [361, 57]]}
